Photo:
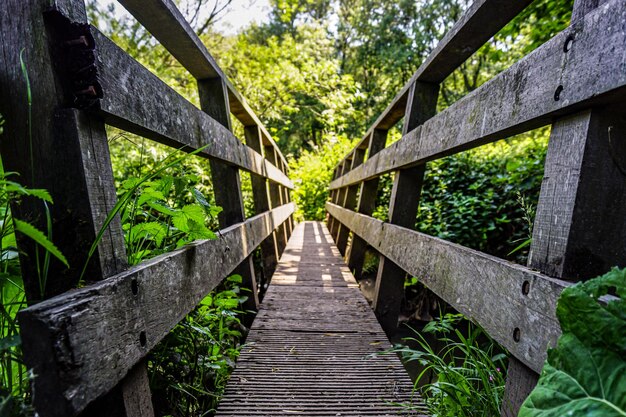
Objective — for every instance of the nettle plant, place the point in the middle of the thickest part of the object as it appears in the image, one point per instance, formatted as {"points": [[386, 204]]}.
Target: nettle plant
{"points": [[165, 213]]}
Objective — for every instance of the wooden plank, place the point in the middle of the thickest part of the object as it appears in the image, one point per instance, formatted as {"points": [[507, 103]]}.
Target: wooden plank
{"points": [[580, 226], [499, 295], [262, 204], [167, 24], [403, 205], [137, 101], [82, 200], [307, 351], [86, 194], [214, 101], [366, 205], [83, 342], [481, 21], [521, 98]]}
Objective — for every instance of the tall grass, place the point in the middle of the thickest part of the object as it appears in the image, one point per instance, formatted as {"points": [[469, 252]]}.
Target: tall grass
{"points": [[463, 378]]}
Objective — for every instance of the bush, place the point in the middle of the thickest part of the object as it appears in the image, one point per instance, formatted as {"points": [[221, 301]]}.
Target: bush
{"points": [[312, 173], [483, 198]]}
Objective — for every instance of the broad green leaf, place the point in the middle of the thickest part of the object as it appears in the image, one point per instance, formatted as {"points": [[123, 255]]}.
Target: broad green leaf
{"points": [[36, 235], [184, 220], [585, 375]]}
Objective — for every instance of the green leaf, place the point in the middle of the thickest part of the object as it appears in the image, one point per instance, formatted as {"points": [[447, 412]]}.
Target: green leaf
{"points": [[148, 230], [41, 239], [585, 375], [185, 218], [150, 195]]}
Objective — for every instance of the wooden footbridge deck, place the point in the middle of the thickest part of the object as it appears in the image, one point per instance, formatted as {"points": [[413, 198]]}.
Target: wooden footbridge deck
{"points": [[314, 346]]}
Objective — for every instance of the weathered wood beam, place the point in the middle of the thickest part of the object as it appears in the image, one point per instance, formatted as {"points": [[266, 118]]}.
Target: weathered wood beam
{"points": [[165, 22], [275, 201], [138, 101], [80, 344], [262, 204], [482, 20], [522, 98], [349, 201], [514, 304]]}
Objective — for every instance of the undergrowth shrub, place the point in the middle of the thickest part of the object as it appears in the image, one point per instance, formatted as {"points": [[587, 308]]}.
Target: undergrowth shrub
{"points": [[482, 198]]}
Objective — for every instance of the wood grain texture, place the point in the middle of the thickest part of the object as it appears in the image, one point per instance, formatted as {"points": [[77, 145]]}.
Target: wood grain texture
{"points": [[580, 226], [80, 344], [314, 348], [137, 101], [403, 204], [484, 288], [87, 191], [522, 97]]}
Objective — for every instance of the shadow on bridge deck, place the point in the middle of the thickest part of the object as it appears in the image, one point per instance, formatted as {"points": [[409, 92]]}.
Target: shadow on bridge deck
{"points": [[309, 350]]}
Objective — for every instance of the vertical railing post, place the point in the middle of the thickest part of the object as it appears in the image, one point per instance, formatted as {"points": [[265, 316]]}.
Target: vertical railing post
{"points": [[78, 176], [214, 101], [349, 201], [269, 252], [405, 194], [340, 196], [579, 229], [276, 199], [366, 205]]}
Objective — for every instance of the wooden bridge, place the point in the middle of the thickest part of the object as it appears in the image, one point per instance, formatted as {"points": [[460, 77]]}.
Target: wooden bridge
{"points": [[315, 346], [308, 352]]}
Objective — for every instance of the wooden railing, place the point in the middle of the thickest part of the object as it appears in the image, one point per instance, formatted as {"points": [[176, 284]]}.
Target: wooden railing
{"points": [[86, 346], [575, 82]]}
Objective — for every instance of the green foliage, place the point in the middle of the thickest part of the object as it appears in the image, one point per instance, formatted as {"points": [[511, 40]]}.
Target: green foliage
{"points": [[466, 377], [15, 396], [483, 198], [190, 367], [312, 173], [585, 375], [164, 213]]}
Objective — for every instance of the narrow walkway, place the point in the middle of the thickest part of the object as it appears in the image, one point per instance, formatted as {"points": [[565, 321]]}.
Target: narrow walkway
{"points": [[312, 347]]}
